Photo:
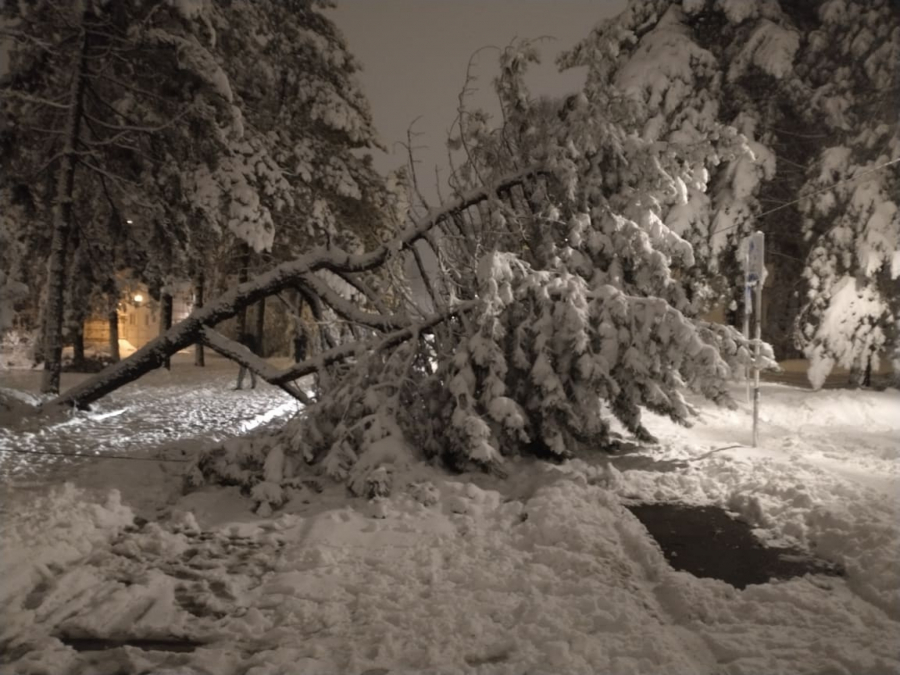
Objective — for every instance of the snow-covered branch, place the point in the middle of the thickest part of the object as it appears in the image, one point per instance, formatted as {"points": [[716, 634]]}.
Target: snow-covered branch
{"points": [[240, 354], [343, 352], [359, 284], [288, 275], [349, 310]]}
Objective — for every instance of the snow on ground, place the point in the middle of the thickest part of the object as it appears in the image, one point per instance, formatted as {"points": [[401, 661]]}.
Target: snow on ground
{"points": [[186, 406], [544, 572]]}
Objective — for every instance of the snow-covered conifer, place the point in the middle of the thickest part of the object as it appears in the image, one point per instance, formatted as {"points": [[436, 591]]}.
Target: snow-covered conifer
{"points": [[810, 90], [189, 125], [851, 222], [568, 296]]}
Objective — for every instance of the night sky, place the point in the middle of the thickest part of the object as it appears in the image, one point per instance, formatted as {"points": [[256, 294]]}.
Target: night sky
{"points": [[415, 52]]}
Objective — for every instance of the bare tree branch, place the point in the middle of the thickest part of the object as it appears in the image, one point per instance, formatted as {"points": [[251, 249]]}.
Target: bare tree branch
{"points": [[30, 98], [104, 172]]}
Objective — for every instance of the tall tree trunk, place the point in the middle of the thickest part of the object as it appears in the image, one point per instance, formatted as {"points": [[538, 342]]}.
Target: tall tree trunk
{"points": [[113, 318], [199, 288], [867, 373], [165, 321], [261, 327], [62, 226], [78, 342], [243, 276]]}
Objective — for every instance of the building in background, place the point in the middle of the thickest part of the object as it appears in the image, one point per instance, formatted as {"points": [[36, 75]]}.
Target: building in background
{"points": [[139, 317]]}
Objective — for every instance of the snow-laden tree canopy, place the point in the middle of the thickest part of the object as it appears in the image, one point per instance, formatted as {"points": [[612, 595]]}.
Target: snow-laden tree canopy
{"points": [[812, 89], [162, 132], [849, 72], [564, 295]]}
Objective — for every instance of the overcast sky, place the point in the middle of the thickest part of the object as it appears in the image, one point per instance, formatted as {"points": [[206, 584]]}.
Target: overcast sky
{"points": [[415, 52]]}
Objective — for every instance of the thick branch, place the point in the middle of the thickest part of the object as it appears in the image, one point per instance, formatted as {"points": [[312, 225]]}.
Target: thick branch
{"points": [[240, 354], [347, 309]]}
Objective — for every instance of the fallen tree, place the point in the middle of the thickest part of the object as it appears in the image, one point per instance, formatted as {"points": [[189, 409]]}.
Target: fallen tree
{"points": [[299, 273], [587, 294], [561, 300]]}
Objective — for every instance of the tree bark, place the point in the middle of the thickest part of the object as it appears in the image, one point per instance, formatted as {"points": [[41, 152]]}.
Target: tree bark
{"points": [[165, 321], [78, 342], [54, 310], [113, 318], [199, 288], [261, 328], [243, 276]]}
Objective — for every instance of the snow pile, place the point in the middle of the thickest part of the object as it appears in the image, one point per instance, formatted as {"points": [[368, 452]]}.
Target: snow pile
{"points": [[41, 538], [817, 480], [543, 572]]}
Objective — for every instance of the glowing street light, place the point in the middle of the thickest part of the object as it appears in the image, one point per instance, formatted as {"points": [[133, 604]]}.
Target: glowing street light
{"points": [[138, 299]]}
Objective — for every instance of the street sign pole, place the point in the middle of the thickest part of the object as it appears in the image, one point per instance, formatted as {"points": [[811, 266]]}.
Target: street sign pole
{"points": [[748, 310], [756, 276]]}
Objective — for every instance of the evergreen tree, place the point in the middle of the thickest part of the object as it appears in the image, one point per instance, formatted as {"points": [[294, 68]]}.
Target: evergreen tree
{"points": [[848, 86], [812, 87], [91, 92], [172, 117]]}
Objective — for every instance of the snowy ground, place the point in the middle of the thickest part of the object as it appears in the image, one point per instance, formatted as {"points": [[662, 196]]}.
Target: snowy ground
{"points": [[185, 408], [545, 572]]}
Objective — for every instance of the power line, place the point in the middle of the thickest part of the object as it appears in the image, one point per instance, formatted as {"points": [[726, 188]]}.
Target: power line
{"points": [[82, 454]]}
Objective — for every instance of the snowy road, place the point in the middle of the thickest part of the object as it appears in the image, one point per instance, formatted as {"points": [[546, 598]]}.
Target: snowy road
{"points": [[185, 408]]}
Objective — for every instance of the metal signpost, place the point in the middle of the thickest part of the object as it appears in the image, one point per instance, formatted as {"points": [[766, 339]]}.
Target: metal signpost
{"points": [[754, 283]]}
